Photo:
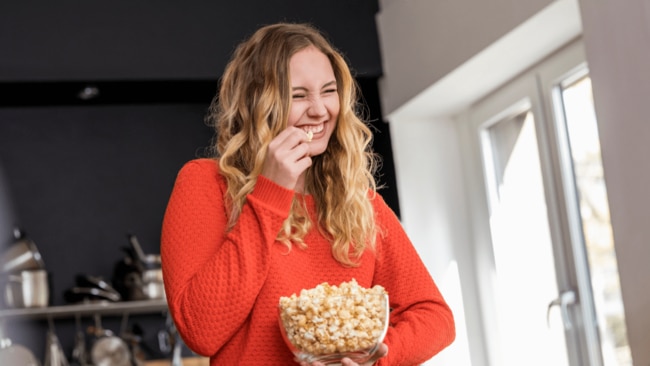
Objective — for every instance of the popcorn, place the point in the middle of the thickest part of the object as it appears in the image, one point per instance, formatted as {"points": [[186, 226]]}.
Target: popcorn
{"points": [[310, 135], [335, 319]]}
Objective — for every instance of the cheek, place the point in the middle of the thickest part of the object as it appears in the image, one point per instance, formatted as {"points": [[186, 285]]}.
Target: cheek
{"points": [[294, 115], [334, 109]]}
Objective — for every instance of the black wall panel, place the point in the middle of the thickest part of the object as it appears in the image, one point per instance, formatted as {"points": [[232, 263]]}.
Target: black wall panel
{"points": [[80, 178], [164, 39]]}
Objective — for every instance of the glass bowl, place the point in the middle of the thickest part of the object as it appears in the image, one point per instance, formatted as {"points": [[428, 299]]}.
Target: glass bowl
{"points": [[329, 328]]}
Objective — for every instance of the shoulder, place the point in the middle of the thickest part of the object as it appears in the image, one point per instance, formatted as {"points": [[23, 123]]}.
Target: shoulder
{"points": [[201, 166], [379, 204], [200, 171], [386, 219]]}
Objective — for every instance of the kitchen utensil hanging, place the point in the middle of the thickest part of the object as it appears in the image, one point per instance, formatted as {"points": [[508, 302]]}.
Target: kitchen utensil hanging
{"points": [[14, 354], [54, 355], [80, 355], [108, 349]]}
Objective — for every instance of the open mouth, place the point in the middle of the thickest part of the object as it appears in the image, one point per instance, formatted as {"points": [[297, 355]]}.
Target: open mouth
{"points": [[314, 129]]}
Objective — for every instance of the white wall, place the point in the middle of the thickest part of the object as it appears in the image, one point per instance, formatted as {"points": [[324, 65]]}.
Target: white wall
{"points": [[440, 57], [422, 41], [617, 42], [429, 179]]}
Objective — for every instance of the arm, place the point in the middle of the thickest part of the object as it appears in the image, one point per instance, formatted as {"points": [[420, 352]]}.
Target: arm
{"points": [[421, 323], [212, 277]]}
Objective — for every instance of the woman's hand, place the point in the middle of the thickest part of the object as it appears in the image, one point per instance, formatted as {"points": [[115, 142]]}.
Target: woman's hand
{"points": [[287, 157], [381, 352]]}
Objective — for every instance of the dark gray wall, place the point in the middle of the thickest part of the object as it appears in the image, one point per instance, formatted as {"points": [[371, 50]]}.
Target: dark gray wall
{"points": [[163, 39], [81, 178], [7, 215]]}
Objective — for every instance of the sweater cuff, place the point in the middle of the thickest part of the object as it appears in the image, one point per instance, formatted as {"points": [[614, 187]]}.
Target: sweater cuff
{"points": [[272, 195]]}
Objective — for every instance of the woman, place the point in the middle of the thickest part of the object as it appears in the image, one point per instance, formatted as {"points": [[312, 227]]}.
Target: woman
{"points": [[288, 202]]}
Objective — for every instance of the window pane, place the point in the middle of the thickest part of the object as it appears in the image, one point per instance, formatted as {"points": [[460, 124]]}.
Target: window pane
{"points": [[523, 254], [582, 132]]}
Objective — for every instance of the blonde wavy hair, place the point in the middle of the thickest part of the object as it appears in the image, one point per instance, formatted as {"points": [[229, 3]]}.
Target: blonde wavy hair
{"points": [[252, 107]]}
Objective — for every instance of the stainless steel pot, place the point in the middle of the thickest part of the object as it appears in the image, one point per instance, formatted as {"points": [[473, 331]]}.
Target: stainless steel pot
{"points": [[145, 282], [16, 354], [110, 350], [21, 255], [153, 290], [152, 275], [153, 286], [27, 289]]}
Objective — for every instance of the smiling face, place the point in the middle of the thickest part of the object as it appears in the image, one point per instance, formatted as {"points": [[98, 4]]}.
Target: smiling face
{"points": [[314, 97]]}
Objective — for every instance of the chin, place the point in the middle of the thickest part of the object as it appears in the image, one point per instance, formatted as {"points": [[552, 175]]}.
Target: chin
{"points": [[318, 150]]}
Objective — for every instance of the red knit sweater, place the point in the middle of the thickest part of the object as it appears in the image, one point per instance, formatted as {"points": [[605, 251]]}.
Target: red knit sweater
{"points": [[223, 288]]}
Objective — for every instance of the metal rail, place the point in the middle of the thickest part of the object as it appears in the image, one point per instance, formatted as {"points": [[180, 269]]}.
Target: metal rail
{"points": [[86, 309]]}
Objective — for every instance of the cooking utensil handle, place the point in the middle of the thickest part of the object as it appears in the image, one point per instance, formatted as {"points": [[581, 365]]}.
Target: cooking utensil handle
{"points": [[176, 358], [137, 248]]}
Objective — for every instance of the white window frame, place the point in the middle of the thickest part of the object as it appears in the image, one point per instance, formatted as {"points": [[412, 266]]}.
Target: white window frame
{"points": [[534, 88]]}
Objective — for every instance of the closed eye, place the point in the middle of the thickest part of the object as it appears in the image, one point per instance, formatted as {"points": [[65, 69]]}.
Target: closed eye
{"points": [[329, 87]]}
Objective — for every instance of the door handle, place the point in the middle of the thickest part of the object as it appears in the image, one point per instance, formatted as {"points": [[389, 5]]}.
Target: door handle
{"points": [[565, 299]]}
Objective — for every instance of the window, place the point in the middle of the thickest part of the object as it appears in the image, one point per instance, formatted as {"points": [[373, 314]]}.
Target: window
{"points": [[555, 281], [592, 222]]}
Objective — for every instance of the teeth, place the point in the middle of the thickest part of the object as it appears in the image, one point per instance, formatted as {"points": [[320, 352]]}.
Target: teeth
{"points": [[313, 129]]}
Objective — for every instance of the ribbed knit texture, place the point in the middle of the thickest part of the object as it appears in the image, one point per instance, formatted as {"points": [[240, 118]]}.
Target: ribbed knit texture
{"points": [[223, 288]]}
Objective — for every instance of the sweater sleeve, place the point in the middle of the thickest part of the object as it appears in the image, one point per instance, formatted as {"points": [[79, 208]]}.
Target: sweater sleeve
{"points": [[213, 276], [421, 322]]}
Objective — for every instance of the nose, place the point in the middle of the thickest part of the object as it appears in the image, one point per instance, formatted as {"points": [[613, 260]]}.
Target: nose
{"points": [[317, 108]]}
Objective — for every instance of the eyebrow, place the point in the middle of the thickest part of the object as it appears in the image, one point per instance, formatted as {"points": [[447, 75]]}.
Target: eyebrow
{"points": [[326, 85]]}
